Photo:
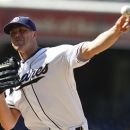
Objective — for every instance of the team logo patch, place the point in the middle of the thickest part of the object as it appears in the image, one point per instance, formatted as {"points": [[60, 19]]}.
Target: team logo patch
{"points": [[16, 19], [33, 77]]}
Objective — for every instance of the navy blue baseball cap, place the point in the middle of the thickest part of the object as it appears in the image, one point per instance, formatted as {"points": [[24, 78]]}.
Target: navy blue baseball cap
{"points": [[20, 20]]}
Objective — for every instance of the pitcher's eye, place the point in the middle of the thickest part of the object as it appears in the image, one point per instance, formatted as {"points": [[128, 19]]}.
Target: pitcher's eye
{"points": [[23, 30], [12, 33]]}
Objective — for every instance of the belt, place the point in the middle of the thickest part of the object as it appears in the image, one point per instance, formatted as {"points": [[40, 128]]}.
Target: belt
{"points": [[79, 128]]}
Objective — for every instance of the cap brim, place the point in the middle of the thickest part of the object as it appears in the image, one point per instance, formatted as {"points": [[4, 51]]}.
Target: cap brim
{"points": [[9, 26]]}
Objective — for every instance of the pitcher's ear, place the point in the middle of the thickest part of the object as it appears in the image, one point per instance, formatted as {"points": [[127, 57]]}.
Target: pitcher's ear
{"points": [[35, 34]]}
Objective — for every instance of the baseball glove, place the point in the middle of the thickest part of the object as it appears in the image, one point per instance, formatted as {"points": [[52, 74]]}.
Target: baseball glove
{"points": [[9, 77]]}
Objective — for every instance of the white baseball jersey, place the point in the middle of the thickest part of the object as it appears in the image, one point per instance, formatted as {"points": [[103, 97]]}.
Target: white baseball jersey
{"points": [[50, 99]]}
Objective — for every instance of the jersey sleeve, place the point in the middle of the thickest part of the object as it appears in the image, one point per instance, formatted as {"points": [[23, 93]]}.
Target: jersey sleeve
{"points": [[12, 98], [72, 56]]}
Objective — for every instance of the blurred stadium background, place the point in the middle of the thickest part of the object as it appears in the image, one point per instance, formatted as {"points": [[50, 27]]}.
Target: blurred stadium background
{"points": [[103, 84]]}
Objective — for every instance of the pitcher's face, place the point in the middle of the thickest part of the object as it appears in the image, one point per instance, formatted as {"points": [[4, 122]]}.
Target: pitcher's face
{"points": [[22, 38]]}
